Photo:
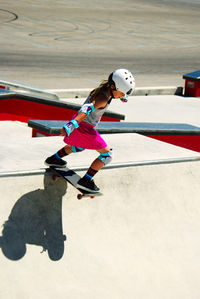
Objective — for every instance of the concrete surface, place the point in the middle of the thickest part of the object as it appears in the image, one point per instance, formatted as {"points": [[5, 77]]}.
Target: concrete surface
{"points": [[156, 108], [139, 91], [25, 153], [67, 44], [140, 239]]}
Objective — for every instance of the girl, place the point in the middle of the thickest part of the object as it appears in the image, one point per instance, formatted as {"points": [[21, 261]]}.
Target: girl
{"points": [[80, 132]]}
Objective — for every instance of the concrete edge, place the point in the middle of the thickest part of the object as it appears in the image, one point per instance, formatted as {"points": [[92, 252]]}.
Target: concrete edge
{"points": [[53, 127], [140, 91], [41, 171]]}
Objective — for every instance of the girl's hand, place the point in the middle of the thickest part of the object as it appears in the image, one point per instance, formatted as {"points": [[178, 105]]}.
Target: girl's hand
{"points": [[62, 132]]}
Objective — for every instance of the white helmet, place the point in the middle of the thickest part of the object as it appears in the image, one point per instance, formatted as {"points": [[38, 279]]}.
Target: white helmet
{"points": [[124, 81]]}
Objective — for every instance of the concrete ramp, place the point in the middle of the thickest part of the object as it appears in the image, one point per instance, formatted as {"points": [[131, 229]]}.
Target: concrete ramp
{"points": [[141, 239]]}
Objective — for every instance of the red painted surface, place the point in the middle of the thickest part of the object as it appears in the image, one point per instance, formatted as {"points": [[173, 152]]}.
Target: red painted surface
{"points": [[37, 133], [23, 110], [192, 88], [189, 142]]}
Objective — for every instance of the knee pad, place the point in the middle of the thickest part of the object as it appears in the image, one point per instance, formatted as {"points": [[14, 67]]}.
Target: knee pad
{"points": [[106, 157], [76, 149]]}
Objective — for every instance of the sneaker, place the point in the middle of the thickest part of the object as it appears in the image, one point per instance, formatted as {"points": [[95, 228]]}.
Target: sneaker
{"points": [[53, 161], [87, 185]]}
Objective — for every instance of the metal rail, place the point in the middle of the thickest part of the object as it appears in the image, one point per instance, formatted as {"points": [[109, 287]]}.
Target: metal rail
{"points": [[31, 90], [41, 171]]}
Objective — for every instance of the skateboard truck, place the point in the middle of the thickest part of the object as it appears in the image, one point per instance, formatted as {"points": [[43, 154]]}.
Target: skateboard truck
{"points": [[80, 196]]}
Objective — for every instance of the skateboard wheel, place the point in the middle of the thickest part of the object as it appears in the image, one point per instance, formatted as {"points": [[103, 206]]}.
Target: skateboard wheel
{"points": [[54, 178], [91, 196], [79, 196]]}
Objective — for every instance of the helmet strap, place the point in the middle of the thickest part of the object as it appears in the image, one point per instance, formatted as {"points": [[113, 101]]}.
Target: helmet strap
{"points": [[111, 82], [111, 90], [112, 96]]}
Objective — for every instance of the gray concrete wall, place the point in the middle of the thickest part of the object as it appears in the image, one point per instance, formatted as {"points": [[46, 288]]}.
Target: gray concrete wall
{"points": [[140, 239]]}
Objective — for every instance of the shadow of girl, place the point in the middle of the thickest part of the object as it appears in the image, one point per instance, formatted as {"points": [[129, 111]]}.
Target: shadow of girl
{"points": [[36, 218]]}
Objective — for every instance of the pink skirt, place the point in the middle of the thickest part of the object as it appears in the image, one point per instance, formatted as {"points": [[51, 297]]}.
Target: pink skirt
{"points": [[85, 136]]}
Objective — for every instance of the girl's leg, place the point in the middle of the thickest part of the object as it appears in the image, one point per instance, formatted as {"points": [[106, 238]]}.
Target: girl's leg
{"points": [[104, 158], [98, 163], [66, 150], [56, 159]]}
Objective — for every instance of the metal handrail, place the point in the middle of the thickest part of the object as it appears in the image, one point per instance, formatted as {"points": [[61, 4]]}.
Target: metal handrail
{"points": [[26, 89], [42, 171]]}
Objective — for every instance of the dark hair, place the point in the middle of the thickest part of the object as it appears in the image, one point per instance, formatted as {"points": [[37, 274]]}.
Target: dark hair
{"points": [[105, 84], [101, 88]]}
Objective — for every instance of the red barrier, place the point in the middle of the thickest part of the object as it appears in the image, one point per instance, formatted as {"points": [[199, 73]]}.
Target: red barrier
{"points": [[188, 142], [23, 110]]}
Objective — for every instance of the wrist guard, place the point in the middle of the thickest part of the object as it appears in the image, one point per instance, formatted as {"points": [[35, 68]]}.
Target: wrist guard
{"points": [[70, 126]]}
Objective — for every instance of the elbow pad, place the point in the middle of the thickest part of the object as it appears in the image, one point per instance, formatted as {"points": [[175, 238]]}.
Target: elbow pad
{"points": [[70, 126], [87, 109]]}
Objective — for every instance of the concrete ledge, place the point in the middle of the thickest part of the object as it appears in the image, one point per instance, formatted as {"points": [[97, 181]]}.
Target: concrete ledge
{"points": [[162, 90], [53, 127], [140, 91]]}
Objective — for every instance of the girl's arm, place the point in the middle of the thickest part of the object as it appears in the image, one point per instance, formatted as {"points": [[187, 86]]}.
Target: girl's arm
{"points": [[79, 118], [99, 102]]}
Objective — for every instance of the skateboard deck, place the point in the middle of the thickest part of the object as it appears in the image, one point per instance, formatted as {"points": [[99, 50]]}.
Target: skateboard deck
{"points": [[72, 177]]}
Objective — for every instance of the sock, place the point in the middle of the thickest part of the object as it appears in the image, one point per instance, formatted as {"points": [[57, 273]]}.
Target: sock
{"points": [[61, 153], [90, 173]]}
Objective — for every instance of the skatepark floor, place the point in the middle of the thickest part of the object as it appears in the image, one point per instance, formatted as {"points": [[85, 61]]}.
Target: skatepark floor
{"points": [[140, 239]]}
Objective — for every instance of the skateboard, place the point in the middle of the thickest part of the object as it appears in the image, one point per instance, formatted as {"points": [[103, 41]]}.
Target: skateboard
{"points": [[72, 177]]}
